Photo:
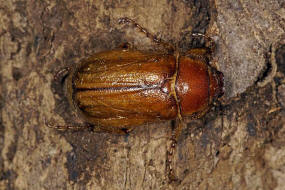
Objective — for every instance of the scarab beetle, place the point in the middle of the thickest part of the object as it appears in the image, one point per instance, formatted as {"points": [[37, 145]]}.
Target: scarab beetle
{"points": [[119, 89]]}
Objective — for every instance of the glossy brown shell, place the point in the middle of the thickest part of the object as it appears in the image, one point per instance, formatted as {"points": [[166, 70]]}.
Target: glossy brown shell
{"points": [[122, 88]]}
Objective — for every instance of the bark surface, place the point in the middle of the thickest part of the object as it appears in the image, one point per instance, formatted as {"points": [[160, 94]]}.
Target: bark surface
{"points": [[238, 145]]}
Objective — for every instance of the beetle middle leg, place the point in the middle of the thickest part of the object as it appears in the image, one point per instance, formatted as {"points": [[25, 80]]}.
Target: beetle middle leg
{"points": [[170, 153], [126, 20]]}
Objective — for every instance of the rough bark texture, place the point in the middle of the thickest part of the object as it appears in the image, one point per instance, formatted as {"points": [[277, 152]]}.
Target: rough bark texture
{"points": [[239, 145]]}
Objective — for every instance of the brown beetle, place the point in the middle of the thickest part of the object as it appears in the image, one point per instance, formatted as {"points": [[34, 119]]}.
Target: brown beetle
{"points": [[120, 89]]}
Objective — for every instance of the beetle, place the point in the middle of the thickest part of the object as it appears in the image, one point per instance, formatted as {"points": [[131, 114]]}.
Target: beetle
{"points": [[119, 89]]}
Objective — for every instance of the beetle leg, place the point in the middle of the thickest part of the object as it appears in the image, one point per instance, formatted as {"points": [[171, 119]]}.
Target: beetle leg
{"points": [[114, 130], [67, 127], [202, 53], [120, 131], [198, 115], [197, 52], [211, 44], [154, 38], [61, 74], [174, 138]]}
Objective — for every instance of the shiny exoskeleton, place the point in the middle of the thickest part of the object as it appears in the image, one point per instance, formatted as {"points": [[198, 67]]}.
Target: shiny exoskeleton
{"points": [[120, 89]]}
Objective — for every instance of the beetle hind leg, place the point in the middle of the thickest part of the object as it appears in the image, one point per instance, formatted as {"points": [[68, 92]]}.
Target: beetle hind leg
{"points": [[93, 128], [113, 130], [68, 127]]}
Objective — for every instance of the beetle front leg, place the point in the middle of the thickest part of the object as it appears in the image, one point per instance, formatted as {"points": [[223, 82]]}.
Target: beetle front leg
{"points": [[197, 53], [211, 44], [202, 53]]}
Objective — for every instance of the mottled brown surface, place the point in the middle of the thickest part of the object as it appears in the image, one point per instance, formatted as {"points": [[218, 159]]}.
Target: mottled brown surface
{"points": [[239, 145]]}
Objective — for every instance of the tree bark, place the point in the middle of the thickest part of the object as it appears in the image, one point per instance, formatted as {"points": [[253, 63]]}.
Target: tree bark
{"points": [[237, 145]]}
